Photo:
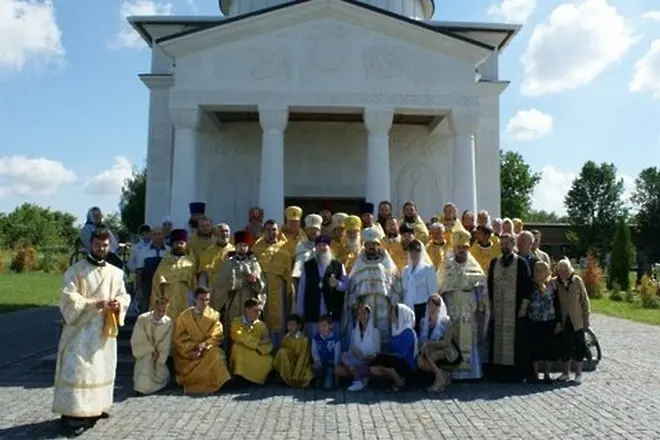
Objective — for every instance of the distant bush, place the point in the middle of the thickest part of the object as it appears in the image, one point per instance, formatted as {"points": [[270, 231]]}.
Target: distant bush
{"points": [[630, 296], [2, 263], [616, 295], [25, 259], [53, 262], [592, 275], [621, 257], [648, 293]]}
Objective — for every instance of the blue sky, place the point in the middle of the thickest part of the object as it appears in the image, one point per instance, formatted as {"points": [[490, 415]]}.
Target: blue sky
{"points": [[585, 84]]}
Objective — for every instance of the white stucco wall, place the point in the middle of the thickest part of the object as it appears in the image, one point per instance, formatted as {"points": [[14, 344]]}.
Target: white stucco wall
{"points": [[324, 160]]}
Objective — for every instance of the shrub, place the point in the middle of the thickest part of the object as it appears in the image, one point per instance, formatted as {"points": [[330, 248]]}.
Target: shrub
{"points": [[648, 293], [616, 295], [25, 259], [630, 296], [53, 262], [621, 257], [592, 275], [2, 263]]}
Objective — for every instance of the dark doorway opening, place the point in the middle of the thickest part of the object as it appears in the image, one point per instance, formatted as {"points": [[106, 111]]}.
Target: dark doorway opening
{"points": [[312, 205]]}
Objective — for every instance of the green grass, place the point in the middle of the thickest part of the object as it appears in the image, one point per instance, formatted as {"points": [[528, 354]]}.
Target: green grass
{"points": [[26, 290], [631, 311]]}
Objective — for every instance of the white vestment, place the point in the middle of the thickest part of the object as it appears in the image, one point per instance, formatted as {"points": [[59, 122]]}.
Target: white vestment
{"points": [[304, 252], [151, 342], [86, 359]]}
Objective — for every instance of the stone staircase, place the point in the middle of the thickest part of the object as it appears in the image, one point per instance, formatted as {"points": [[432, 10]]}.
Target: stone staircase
{"points": [[125, 359]]}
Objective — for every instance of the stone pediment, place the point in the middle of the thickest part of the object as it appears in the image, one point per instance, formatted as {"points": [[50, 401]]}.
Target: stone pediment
{"points": [[325, 48]]}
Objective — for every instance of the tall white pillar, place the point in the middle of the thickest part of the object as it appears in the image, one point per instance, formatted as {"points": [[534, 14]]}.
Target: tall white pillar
{"points": [[273, 122], [465, 173], [378, 121], [184, 164]]}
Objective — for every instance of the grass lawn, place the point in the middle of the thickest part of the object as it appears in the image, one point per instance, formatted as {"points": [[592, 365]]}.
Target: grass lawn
{"points": [[632, 311], [34, 289]]}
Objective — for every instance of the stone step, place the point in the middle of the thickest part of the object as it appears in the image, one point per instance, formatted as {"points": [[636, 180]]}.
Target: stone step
{"points": [[125, 364]]}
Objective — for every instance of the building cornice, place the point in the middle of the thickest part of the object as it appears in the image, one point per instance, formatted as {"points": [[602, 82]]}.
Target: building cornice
{"points": [[157, 81]]}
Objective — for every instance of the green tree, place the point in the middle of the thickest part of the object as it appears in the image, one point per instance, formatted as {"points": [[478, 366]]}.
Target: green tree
{"points": [[544, 217], [646, 198], [621, 258], [113, 222], [38, 226], [517, 183], [593, 205], [132, 201]]}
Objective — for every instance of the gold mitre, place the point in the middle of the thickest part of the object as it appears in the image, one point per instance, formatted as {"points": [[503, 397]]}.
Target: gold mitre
{"points": [[517, 222], [461, 237], [338, 219], [313, 221], [353, 223], [293, 213]]}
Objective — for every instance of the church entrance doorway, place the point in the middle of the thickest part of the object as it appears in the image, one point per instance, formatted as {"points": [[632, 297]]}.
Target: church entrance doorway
{"points": [[312, 205]]}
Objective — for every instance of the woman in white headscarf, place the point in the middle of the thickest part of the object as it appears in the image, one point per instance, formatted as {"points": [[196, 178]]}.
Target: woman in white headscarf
{"points": [[438, 353], [364, 346], [398, 363]]}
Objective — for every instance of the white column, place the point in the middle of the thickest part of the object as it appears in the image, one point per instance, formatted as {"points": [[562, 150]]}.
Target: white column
{"points": [[465, 173], [378, 122], [273, 122], [184, 164]]}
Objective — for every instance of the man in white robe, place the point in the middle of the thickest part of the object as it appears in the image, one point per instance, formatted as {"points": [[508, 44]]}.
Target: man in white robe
{"points": [[375, 281], [151, 342], [304, 249], [93, 304]]}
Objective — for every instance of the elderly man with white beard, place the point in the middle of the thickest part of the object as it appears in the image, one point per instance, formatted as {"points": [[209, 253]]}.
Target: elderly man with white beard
{"points": [[374, 281], [321, 289]]}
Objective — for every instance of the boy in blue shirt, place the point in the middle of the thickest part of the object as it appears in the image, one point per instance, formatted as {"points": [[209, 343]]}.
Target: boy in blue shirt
{"points": [[326, 352]]}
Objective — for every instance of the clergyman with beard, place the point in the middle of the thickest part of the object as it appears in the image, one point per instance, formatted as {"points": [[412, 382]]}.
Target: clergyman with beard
{"points": [[93, 303], [509, 288], [321, 288], [176, 276]]}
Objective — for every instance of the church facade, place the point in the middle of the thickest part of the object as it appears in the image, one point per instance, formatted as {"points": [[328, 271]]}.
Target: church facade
{"points": [[335, 100]]}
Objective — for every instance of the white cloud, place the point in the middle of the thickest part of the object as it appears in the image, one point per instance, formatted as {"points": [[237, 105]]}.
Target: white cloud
{"points": [[29, 34], [554, 185], [579, 41], [652, 15], [109, 182], [126, 36], [646, 77], [529, 125], [512, 11], [26, 176]]}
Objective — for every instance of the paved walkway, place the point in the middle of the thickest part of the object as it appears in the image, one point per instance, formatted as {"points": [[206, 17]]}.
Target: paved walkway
{"points": [[619, 401]]}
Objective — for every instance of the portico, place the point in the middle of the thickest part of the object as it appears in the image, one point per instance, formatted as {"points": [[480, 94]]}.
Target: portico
{"points": [[390, 111]]}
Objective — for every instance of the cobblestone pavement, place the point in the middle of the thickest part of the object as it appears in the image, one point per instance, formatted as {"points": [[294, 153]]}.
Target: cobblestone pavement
{"points": [[619, 401]]}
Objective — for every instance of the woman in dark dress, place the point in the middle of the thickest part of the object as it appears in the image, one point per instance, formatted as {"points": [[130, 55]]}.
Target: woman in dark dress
{"points": [[544, 322]]}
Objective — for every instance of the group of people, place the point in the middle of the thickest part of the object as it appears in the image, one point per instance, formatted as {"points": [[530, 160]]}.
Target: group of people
{"points": [[318, 300]]}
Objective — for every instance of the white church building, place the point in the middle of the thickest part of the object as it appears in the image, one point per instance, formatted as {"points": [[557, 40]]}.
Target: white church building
{"points": [[276, 102]]}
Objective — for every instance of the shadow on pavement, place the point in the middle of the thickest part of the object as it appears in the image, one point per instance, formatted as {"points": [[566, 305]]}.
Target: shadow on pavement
{"points": [[44, 430]]}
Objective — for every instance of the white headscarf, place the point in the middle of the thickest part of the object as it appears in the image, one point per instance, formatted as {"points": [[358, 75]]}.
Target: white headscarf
{"points": [[365, 341], [405, 320], [441, 322]]}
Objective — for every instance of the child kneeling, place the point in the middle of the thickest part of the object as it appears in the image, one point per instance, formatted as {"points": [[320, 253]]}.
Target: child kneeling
{"points": [[292, 361]]}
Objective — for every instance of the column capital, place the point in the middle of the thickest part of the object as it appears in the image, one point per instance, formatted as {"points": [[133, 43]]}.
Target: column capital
{"points": [[273, 118], [378, 120], [186, 118], [464, 124]]}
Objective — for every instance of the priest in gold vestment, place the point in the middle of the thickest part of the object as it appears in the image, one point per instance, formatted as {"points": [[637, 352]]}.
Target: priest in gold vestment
{"points": [[198, 359], [367, 218], [151, 342], [275, 262], [437, 247], [251, 357], [461, 284], [240, 278], [93, 303], [175, 277], [351, 245], [292, 231], [397, 241], [210, 260], [413, 221], [483, 249], [449, 219], [510, 286], [200, 240], [337, 233]]}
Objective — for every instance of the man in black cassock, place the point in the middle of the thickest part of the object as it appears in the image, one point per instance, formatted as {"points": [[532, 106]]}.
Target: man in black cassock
{"points": [[509, 289]]}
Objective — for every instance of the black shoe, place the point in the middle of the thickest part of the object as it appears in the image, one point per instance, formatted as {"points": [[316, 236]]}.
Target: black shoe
{"points": [[104, 415]]}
